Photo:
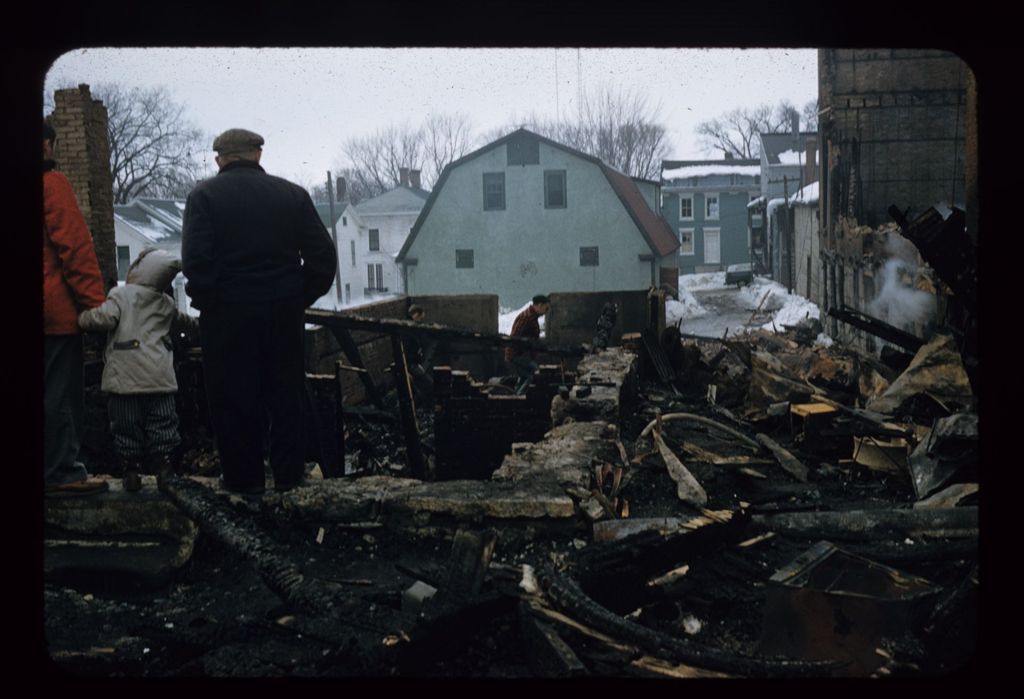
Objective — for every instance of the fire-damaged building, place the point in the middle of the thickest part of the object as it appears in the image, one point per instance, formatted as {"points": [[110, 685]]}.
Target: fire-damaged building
{"points": [[657, 504]]}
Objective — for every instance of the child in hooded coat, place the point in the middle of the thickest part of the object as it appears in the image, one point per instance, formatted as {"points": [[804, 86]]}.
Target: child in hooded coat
{"points": [[138, 372]]}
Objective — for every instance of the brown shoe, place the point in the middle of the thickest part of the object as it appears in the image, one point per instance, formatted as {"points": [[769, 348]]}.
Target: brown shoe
{"points": [[86, 486]]}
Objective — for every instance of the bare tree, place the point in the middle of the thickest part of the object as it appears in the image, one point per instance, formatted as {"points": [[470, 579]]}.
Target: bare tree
{"points": [[736, 132], [371, 164], [446, 138], [375, 160], [154, 149], [809, 115]]}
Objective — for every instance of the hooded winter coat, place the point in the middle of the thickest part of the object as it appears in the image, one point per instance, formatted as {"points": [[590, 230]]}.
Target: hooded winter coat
{"points": [[139, 316], [71, 274]]}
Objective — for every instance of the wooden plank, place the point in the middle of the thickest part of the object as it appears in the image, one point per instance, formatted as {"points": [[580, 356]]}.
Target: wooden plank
{"points": [[550, 656], [688, 488], [787, 461], [407, 411]]}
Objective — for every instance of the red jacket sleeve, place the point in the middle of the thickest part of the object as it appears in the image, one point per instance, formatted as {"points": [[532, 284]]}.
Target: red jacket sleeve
{"points": [[72, 242]]}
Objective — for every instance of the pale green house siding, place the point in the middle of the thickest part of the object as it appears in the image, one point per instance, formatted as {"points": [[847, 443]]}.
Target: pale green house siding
{"points": [[527, 249]]}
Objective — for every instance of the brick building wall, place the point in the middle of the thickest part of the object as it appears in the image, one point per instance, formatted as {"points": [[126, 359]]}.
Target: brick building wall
{"points": [[895, 130], [82, 153]]}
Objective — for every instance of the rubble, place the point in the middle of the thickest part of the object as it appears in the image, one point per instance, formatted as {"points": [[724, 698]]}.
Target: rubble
{"points": [[645, 567]]}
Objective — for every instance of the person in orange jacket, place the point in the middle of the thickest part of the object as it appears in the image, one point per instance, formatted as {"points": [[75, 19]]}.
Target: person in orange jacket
{"points": [[71, 284]]}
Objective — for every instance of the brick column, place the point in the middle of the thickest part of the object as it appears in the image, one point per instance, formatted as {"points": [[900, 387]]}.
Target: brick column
{"points": [[82, 153]]}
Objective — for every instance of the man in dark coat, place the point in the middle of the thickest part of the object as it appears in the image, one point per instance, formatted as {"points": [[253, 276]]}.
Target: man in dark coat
{"points": [[255, 254]]}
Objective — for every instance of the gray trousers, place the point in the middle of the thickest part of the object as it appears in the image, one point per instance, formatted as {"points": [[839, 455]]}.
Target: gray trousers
{"points": [[63, 409], [143, 424]]}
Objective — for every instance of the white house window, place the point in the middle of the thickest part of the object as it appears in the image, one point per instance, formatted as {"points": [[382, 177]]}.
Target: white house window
{"points": [[463, 259], [554, 189], [375, 277], [124, 260], [685, 241], [374, 239], [344, 220], [588, 257], [494, 191], [352, 245], [686, 208], [711, 206], [348, 293]]}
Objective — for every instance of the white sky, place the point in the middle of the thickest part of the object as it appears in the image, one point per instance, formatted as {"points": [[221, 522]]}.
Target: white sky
{"points": [[306, 102]]}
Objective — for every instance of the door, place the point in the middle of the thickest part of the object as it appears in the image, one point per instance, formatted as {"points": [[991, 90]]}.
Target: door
{"points": [[712, 247]]}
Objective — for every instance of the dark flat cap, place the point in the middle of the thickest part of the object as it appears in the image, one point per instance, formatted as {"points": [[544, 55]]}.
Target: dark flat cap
{"points": [[237, 141]]}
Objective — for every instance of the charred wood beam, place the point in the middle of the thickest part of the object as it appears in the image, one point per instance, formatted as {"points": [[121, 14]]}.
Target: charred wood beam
{"points": [[878, 328], [351, 350], [270, 560], [617, 571], [690, 417], [789, 463], [564, 592], [333, 319], [549, 655], [407, 411], [862, 525]]}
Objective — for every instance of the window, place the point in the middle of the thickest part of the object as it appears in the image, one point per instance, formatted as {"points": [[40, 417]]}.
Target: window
{"points": [[463, 259], [711, 206], [685, 241], [523, 149], [374, 239], [554, 189], [588, 257], [375, 277], [494, 191], [352, 245], [348, 293], [344, 220], [686, 208], [124, 261]]}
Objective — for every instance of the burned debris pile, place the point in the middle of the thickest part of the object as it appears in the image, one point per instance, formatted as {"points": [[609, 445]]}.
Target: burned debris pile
{"points": [[756, 506]]}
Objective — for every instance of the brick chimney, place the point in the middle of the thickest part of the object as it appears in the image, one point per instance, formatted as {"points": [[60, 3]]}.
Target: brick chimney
{"points": [[414, 178], [82, 153], [810, 160], [403, 176], [341, 189]]}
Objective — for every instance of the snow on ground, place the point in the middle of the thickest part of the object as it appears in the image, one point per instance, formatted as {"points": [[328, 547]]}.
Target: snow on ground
{"points": [[686, 307], [702, 282], [792, 308]]}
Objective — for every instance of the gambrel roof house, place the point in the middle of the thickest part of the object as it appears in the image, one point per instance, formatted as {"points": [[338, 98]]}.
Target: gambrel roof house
{"points": [[525, 215]]}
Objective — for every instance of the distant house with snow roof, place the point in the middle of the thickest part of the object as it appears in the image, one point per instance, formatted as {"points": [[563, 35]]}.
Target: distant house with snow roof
{"points": [[789, 162], [149, 222], [705, 202], [525, 215], [385, 223], [346, 226]]}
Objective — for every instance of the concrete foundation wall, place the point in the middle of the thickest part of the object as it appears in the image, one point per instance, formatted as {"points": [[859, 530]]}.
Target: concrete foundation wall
{"points": [[573, 316], [469, 312]]}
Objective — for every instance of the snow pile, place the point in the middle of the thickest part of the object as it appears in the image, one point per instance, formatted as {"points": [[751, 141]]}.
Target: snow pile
{"points": [[686, 307], [723, 168], [823, 340], [702, 282], [794, 308]]}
